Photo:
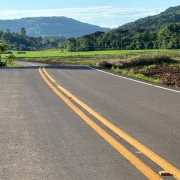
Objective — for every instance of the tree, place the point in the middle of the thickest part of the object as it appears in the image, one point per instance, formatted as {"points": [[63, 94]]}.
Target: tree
{"points": [[1, 32], [23, 31], [8, 30], [71, 44], [122, 32], [3, 47]]}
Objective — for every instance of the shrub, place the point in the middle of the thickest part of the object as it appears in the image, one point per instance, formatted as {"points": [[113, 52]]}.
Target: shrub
{"points": [[21, 52], [145, 60], [8, 63], [104, 64], [8, 52]]}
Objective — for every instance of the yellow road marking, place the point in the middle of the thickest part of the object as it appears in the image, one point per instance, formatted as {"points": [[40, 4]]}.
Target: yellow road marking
{"points": [[143, 149], [147, 171], [50, 78]]}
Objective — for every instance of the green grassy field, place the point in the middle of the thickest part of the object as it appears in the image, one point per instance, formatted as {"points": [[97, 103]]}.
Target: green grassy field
{"points": [[59, 53], [85, 58]]}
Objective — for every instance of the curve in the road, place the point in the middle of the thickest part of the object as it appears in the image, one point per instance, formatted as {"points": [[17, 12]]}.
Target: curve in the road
{"points": [[134, 160], [141, 82]]}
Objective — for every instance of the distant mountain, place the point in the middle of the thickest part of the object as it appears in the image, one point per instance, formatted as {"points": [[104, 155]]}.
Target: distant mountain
{"points": [[50, 26], [156, 22]]}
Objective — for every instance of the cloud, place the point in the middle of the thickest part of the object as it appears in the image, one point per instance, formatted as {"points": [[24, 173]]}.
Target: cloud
{"points": [[88, 14]]}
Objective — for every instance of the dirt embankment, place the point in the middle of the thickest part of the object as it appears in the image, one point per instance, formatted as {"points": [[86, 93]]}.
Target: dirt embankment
{"points": [[168, 74]]}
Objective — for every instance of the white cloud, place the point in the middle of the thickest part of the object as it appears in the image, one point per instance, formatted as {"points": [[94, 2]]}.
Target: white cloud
{"points": [[89, 14], [113, 26]]}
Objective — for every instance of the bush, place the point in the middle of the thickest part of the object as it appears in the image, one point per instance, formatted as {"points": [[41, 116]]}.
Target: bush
{"points": [[8, 52], [148, 60], [104, 64], [21, 52]]}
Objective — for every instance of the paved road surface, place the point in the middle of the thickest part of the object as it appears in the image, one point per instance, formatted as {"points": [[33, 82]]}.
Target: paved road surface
{"points": [[42, 138]]}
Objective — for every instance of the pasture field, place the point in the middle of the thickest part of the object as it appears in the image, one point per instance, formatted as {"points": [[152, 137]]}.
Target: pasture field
{"points": [[60, 53], [63, 57]]}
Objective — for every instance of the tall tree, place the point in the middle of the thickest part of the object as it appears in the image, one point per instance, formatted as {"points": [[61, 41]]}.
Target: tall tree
{"points": [[23, 31]]}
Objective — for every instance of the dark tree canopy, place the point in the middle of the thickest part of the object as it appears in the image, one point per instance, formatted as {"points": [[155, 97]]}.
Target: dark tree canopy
{"points": [[167, 37]]}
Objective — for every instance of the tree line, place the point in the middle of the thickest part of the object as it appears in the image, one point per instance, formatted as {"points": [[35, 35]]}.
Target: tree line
{"points": [[167, 37], [15, 39]]}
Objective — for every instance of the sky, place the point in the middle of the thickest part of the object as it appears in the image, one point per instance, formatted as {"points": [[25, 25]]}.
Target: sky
{"points": [[104, 13]]}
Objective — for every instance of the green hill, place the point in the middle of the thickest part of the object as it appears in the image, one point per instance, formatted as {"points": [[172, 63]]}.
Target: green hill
{"points": [[156, 22], [161, 31]]}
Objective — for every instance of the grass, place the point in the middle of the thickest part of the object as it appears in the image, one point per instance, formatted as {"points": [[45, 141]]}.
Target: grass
{"points": [[145, 68], [137, 75], [10, 63], [110, 53], [136, 66], [150, 59], [85, 58], [13, 65]]}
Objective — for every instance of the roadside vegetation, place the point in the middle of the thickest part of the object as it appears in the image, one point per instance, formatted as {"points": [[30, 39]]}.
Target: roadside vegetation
{"points": [[155, 68], [158, 66], [6, 59]]}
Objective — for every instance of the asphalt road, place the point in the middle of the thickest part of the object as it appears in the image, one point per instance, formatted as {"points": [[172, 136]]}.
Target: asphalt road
{"points": [[43, 138]]}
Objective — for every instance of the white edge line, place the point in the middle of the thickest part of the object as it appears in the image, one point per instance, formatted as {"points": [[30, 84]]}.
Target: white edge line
{"points": [[148, 84]]}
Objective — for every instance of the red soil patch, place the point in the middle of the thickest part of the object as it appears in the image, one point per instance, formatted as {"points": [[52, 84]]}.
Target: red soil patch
{"points": [[169, 75]]}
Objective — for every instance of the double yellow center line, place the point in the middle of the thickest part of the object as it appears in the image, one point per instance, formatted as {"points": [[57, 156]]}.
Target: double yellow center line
{"points": [[147, 171]]}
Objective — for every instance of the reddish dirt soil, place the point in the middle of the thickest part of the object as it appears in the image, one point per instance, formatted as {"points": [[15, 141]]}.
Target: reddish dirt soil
{"points": [[169, 75]]}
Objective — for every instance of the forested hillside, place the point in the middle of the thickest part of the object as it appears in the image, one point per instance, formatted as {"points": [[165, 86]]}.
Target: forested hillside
{"points": [[154, 23], [50, 26], [154, 32]]}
